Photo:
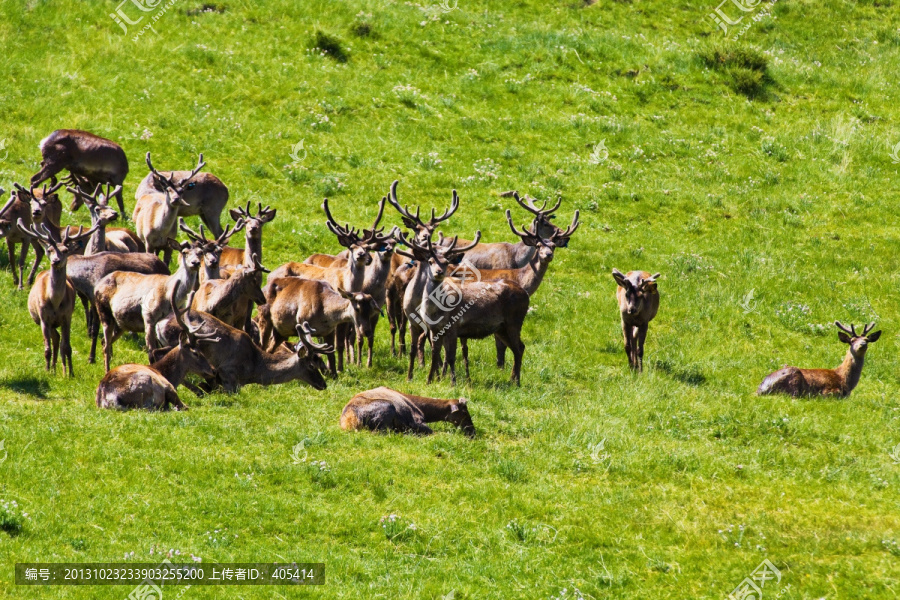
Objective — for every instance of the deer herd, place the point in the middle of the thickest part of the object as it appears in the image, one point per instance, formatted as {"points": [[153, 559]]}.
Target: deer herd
{"points": [[200, 319]]}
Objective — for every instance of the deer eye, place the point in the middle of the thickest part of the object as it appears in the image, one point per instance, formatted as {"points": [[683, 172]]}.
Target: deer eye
{"points": [[190, 186]]}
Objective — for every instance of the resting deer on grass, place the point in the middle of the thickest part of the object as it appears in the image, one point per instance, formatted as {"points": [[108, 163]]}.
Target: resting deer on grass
{"points": [[153, 387], [52, 298], [84, 155], [135, 302], [638, 303], [155, 213], [239, 361], [104, 240], [384, 409], [204, 193], [293, 300], [825, 382]]}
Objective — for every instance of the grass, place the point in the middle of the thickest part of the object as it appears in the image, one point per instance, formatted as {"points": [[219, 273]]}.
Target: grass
{"points": [[755, 175]]}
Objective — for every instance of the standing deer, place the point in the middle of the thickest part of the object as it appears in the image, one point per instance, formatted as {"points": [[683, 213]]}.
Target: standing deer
{"points": [[212, 249], [232, 258], [293, 300], [204, 193], [384, 409], [155, 213], [825, 382], [84, 155], [638, 303], [52, 298], [134, 302], [153, 387], [229, 299], [18, 208], [105, 239], [238, 361]]}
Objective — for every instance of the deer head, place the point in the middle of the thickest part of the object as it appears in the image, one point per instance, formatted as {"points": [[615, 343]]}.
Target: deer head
{"points": [[38, 199], [97, 203], [57, 250], [637, 290], [358, 243], [364, 309], [254, 224], [177, 189], [423, 230], [212, 249], [188, 337], [437, 258], [459, 416], [858, 343], [191, 254], [310, 353]]}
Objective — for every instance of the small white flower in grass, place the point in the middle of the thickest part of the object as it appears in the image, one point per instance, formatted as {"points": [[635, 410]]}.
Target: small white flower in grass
{"points": [[147, 134]]}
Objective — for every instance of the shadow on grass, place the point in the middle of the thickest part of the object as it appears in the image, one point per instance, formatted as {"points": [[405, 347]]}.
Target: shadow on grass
{"points": [[690, 376], [27, 385]]}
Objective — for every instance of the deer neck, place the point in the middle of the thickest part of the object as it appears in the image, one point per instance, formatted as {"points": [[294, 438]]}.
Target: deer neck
{"points": [[525, 254], [209, 273], [58, 281], [433, 409], [533, 273], [376, 275], [252, 245], [187, 280], [97, 243], [851, 370], [355, 276], [276, 369], [171, 367]]}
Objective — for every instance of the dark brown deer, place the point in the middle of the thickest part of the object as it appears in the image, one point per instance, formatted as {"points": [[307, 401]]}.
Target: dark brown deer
{"points": [[825, 382], [156, 213], [638, 303], [19, 209], [238, 361], [204, 193], [85, 155], [51, 301], [384, 409], [154, 387]]}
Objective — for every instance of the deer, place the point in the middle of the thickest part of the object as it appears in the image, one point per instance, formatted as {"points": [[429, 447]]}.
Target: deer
{"points": [[204, 193], [85, 155], [154, 387], [212, 249], [825, 382], [528, 277], [293, 300], [155, 213], [238, 361], [51, 300], [393, 304], [446, 309], [135, 302], [102, 215], [232, 258], [384, 409], [19, 209], [638, 301], [45, 204], [230, 299]]}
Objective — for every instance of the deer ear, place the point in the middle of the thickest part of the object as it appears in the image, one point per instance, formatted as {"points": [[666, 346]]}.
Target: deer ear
{"points": [[844, 337], [268, 216], [235, 214], [454, 408], [174, 244], [620, 278], [873, 337], [344, 293]]}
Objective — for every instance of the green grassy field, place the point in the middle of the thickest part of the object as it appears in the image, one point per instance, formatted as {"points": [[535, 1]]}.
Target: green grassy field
{"points": [[755, 175]]}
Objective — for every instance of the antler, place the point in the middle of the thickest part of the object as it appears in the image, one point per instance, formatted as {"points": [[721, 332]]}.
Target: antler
{"points": [[257, 266], [529, 236], [842, 327], [347, 236], [168, 180], [81, 235], [565, 235], [200, 164], [868, 328], [305, 334], [413, 221], [189, 331], [453, 250], [32, 231], [538, 212], [200, 238]]}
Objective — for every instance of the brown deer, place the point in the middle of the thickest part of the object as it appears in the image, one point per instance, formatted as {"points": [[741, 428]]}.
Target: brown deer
{"points": [[230, 299], [212, 249], [51, 301], [102, 215], [825, 382], [638, 303], [204, 193], [85, 155], [384, 409], [153, 387], [293, 300], [16, 209], [447, 309], [135, 302], [155, 213], [238, 361], [232, 258], [393, 303]]}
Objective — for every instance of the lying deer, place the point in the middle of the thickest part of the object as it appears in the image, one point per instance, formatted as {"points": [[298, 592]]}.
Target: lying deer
{"points": [[155, 213], [135, 302], [825, 382], [120, 240], [238, 361], [153, 387], [51, 301], [84, 155], [384, 409], [638, 303], [204, 193], [293, 300]]}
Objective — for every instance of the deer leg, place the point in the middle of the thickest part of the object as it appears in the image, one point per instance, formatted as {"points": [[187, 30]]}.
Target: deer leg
{"points": [[435, 360], [501, 352], [121, 202], [110, 335], [402, 332], [465, 353], [48, 348], [629, 343], [23, 254], [413, 349], [513, 341], [194, 389], [55, 338], [450, 341], [339, 341], [11, 248], [167, 255], [38, 257], [640, 336], [65, 330], [331, 366]]}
